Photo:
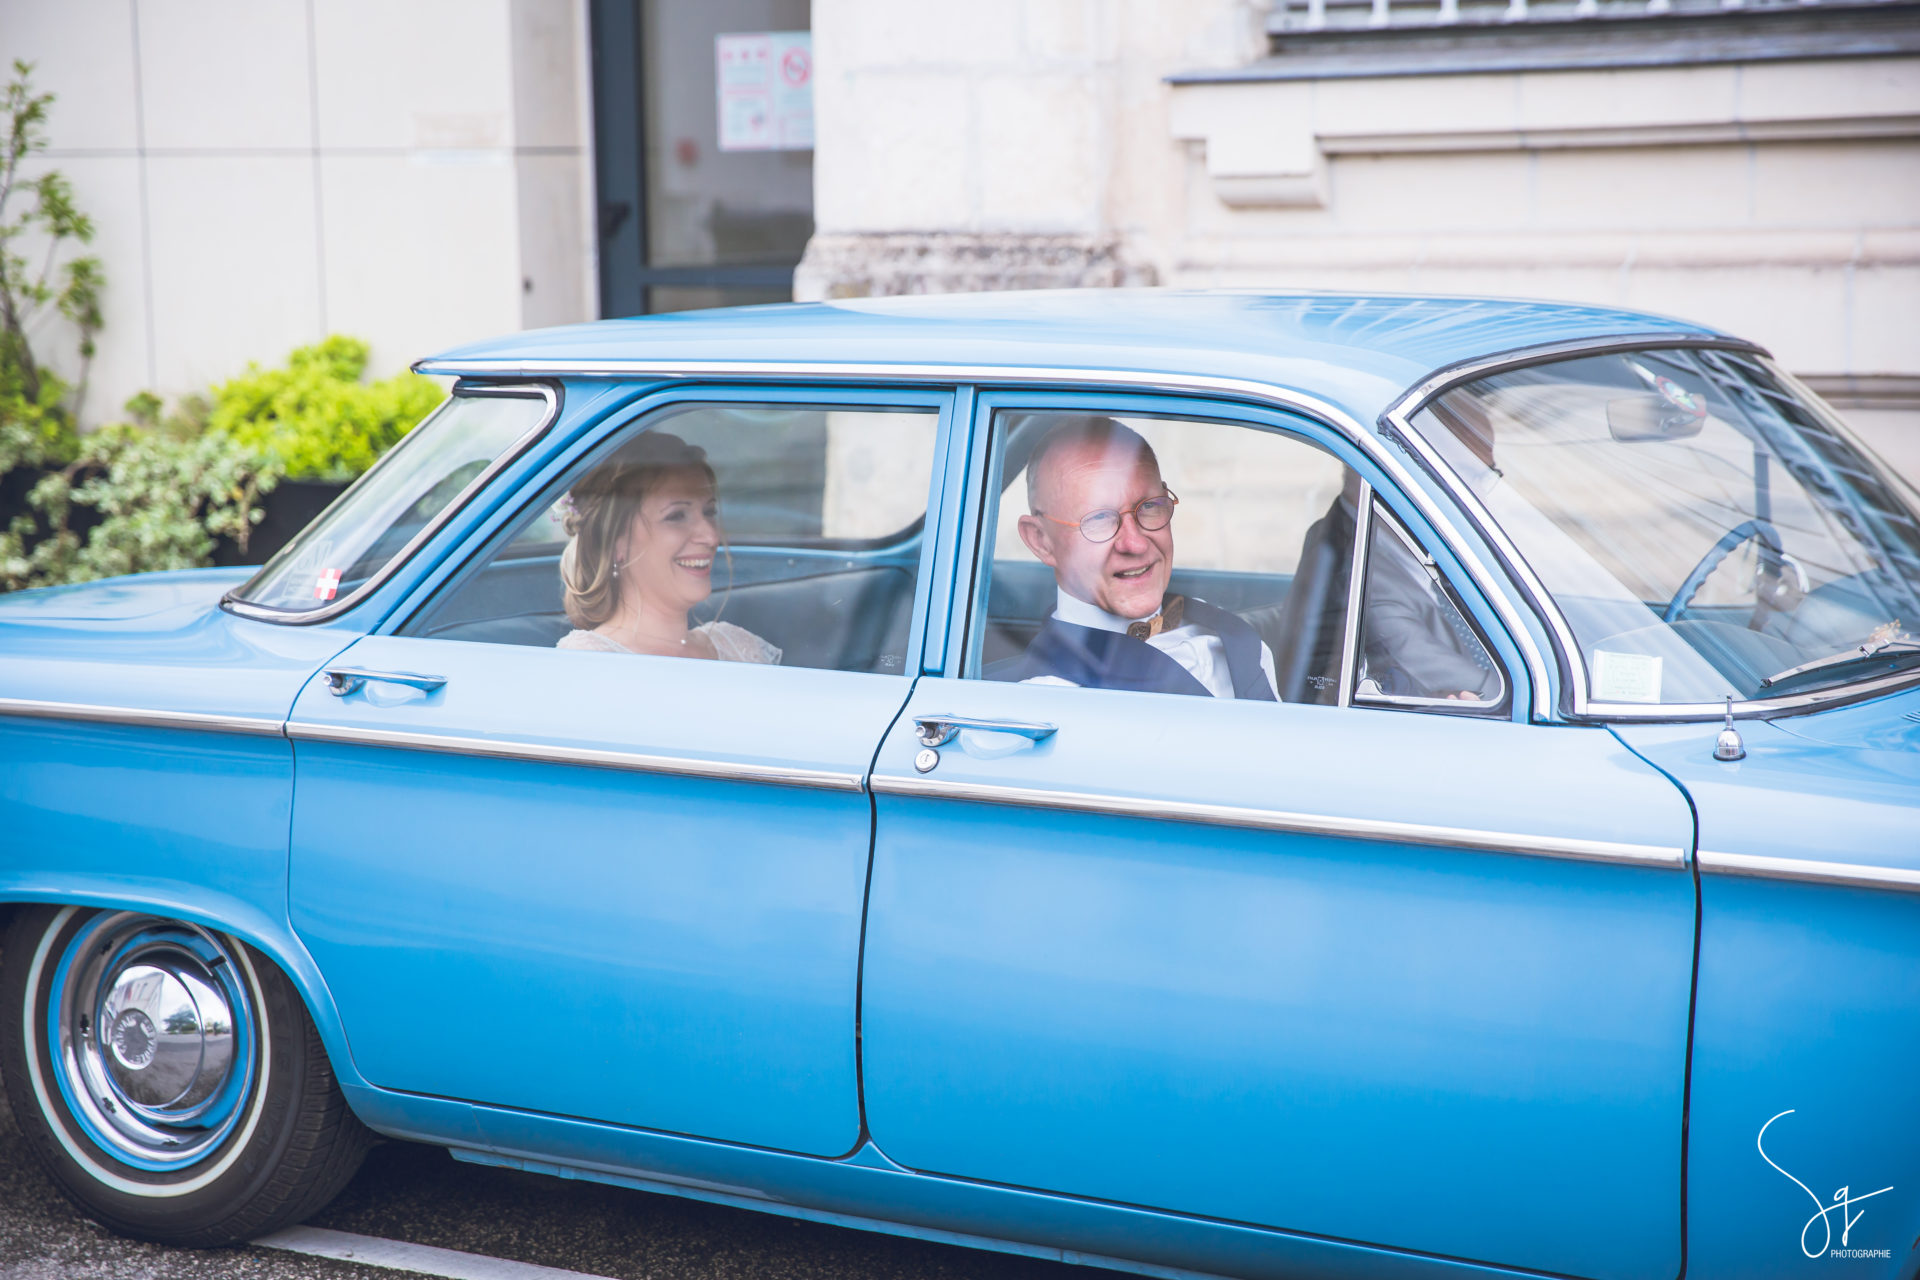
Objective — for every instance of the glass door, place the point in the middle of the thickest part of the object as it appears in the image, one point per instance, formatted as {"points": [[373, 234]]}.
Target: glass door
{"points": [[704, 151]]}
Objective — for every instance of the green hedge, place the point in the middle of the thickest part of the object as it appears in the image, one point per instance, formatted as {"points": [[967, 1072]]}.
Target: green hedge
{"points": [[315, 417], [160, 489]]}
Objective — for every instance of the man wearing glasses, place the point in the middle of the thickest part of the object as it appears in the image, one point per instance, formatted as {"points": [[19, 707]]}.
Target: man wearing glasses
{"points": [[1102, 520]]}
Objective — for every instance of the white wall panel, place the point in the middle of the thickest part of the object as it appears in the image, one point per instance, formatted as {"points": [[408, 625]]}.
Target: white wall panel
{"points": [[83, 50], [235, 270], [421, 251], [225, 75]]}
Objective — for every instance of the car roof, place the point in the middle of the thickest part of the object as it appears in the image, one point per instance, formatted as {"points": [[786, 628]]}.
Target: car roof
{"points": [[1355, 352]]}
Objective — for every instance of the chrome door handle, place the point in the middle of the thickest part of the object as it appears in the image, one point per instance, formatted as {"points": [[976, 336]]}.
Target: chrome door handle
{"points": [[342, 681], [934, 731]]}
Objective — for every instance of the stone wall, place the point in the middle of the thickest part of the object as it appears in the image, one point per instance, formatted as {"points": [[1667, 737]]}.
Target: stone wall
{"points": [[1003, 144], [1098, 142]]}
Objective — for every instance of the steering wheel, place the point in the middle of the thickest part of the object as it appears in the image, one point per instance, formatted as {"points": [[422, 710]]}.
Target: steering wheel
{"points": [[1759, 530]]}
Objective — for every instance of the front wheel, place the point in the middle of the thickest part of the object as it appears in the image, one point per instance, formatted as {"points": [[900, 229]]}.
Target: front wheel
{"points": [[168, 1077]]}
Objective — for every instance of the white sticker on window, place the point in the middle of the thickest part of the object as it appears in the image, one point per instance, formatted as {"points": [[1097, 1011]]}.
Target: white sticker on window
{"points": [[1625, 677]]}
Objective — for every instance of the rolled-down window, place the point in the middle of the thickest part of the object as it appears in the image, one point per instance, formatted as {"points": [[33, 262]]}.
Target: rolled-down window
{"points": [[394, 506], [1705, 529]]}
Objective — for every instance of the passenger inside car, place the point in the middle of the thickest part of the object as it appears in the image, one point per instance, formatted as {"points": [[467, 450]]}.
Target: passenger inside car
{"points": [[1271, 520], [814, 541], [1114, 624], [643, 533]]}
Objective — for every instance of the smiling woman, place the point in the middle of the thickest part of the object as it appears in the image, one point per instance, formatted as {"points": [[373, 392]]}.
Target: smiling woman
{"points": [[643, 531], [742, 532]]}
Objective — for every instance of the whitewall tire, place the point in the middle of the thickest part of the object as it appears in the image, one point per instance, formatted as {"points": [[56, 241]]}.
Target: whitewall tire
{"points": [[168, 1077]]}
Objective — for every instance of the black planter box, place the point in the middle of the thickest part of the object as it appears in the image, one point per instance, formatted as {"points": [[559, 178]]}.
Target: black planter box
{"points": [[14, 487], [291, 507]]}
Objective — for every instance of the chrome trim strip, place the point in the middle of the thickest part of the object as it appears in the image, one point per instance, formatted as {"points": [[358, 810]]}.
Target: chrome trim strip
{"points": [[1276, 820], [264, 613], [140, 716], [1356, 593], [1803, 869], [596, 757], [1492, 585], [1415, 397], [1444, 589]]}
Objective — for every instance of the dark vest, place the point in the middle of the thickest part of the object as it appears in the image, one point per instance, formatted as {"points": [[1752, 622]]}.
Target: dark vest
{"points": [[1097, 659]]}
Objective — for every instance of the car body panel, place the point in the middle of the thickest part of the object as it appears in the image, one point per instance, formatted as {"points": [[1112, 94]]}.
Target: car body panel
{"points": [[1304, 1030], [1470, 1058], [1809, 990], [158, 643], [1358, 352], [692, 940], [869, 1190]]}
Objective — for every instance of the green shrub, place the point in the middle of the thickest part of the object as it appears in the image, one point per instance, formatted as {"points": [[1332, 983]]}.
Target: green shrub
{"points": [[164, 490], [315, 417], [39, 222], [165, 486]]}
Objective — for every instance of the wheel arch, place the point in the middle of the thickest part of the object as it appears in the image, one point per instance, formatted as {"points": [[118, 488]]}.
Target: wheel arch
{"points": [[273, 939]]}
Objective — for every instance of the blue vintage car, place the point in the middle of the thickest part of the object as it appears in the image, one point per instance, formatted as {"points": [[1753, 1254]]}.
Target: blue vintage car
{"points": [[1199, 783]]}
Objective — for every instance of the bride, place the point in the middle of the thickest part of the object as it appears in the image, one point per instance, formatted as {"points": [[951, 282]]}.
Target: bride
{"points": [[642, 529]]}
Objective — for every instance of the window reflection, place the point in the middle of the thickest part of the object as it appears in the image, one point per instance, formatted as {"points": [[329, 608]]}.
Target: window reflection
{"points": [[1416, 648], [1704, 531], [1242, 593], [747, 533]]}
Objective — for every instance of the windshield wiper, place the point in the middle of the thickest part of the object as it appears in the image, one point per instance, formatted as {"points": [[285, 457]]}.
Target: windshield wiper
{"points": [[1873, 649]]}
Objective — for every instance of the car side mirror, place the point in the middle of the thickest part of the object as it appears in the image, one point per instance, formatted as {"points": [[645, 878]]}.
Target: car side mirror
{"points": [[1637, 419]]}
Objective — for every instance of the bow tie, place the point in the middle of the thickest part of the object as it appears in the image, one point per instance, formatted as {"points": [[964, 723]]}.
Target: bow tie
{"points": [[1166, 620]]}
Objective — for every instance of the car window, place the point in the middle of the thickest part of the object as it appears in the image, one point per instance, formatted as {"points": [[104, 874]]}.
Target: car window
{"points": [[395, 504], [1704, 530], [1417, 649], [756, 533], [1254, 539]]}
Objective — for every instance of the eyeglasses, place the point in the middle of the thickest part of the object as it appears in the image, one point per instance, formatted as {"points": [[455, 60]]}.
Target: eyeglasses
{"points": [[1102, 526]]}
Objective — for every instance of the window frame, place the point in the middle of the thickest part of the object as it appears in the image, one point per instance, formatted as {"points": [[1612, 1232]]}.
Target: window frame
{"points": [[1497, 708], [553, 396], [475, 549], [1575, 703], [966, 615]]}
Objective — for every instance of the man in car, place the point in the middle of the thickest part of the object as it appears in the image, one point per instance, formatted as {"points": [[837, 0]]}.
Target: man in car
{"points": [[1101, 518]]}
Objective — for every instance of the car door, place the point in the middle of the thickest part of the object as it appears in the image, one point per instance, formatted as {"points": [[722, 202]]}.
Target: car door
{"points": [[1378, 963], [607, 884], [1801, 1132]]}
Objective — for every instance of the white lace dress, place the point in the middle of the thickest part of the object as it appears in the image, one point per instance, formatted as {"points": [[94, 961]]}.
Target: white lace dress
{"points": [[730, 643]]}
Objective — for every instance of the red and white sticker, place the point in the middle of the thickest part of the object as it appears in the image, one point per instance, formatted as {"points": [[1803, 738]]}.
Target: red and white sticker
{"points": [[327, 585]]}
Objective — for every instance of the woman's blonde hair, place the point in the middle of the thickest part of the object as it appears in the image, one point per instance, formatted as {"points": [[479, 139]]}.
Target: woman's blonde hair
{"points": [[601, 506]]}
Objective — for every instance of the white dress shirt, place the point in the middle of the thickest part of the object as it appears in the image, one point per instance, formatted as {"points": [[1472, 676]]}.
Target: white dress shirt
{"points": [[1202, 653]]}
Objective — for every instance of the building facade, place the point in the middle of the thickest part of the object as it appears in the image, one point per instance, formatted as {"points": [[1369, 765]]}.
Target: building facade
{"points": [[430, 171], [261, 173], [1753, 168]]}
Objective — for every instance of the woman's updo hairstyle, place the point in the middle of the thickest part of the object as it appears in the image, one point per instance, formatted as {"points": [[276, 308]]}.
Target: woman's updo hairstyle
{"points": [[601, 506]]}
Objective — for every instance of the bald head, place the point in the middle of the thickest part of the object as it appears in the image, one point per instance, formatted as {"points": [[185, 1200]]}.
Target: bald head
{"points": [[1087, 464], [1077, 442]]}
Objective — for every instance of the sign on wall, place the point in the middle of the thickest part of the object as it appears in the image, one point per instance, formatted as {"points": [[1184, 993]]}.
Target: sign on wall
{"points": [[766, 90]]}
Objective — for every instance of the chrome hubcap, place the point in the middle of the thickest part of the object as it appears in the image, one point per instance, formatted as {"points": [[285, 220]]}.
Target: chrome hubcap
{"points": [[155, 1038]]}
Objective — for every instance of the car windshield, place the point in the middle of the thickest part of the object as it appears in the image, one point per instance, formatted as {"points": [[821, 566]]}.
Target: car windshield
{"points": [[1704, 527], [375, 521]]}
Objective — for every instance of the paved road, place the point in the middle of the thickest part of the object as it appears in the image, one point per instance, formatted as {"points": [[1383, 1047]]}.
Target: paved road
{"points": [[421, 1194]]}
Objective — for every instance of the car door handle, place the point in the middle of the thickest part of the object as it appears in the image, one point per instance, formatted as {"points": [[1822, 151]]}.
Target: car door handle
{"points": [[934, 731], [342, 681]]}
